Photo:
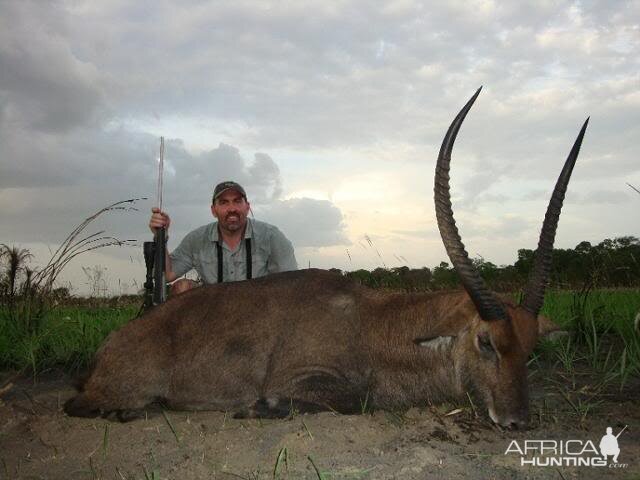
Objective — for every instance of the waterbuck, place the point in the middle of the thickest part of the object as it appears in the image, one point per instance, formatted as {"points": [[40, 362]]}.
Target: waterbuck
{"points": [[312, 340]]}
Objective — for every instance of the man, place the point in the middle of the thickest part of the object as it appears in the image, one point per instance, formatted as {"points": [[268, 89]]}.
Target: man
{"points": [[609, 445], [231, 249]]}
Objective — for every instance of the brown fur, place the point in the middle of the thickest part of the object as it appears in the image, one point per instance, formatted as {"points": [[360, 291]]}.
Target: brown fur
{"points": [[309, 340]]}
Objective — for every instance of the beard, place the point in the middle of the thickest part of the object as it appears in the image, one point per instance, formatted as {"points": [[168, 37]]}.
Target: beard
{"points": [[233, 221]]}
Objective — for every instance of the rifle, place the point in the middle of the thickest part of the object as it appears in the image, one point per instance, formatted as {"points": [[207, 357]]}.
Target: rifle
{"points": [[625, 427], [155, 286]]}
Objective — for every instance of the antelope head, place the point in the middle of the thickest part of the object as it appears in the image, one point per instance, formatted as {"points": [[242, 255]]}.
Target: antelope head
{"points": [[492, 352]]}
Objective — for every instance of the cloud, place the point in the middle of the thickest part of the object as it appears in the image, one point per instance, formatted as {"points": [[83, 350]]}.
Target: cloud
{"points": [[276, 74], [266, 172], [49, 186], [477, 190], [612, 197], [535, 194], [307, 222], [502, 227], [420, 234], [43, 85], [193, 176], [260, 91]]}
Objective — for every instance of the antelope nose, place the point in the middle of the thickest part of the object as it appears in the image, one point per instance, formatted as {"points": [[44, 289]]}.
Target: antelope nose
{"points": [[514, 420], [517, 424]]}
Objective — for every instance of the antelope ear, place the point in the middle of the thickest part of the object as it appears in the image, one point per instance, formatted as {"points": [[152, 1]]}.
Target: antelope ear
{"points": [[548, 329], [435, 343]]}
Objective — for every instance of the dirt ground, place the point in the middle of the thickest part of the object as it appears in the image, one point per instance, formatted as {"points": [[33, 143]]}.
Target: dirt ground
{"points": [[38, 441]]}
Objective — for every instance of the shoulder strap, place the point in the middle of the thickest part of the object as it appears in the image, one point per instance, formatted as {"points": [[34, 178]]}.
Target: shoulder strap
{"points": [[247, 247], [219, 250]]}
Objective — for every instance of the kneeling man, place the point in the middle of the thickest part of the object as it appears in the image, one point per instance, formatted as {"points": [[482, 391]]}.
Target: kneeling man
{"points": [[230, 249]]}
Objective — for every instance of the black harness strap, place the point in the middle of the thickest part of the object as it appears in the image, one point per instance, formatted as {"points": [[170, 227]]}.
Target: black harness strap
{"points": [[219, 249], [247, 247]]}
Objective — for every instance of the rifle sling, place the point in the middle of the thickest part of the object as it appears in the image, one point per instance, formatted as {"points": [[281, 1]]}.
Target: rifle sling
{"points": [[247, 247]]}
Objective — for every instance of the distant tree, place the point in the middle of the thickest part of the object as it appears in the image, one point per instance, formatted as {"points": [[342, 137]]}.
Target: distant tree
{"points": [[401, 271], [444, 276], [381, 277], [361, 276], [487, 270], [524, 263], [61, 293], [13, 263], [415, 278], [610, 263], [619, 260], [583, 248]]}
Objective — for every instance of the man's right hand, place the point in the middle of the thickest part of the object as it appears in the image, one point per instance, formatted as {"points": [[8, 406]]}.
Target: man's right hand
{"points": [[158, 220]]}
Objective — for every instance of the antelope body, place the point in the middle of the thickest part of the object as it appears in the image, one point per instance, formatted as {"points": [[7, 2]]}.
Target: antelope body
{"points": [[312, 340]]}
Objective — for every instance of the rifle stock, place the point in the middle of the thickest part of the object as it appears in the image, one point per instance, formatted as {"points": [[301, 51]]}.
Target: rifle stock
{"points": [[159, 267], [149, 258]]}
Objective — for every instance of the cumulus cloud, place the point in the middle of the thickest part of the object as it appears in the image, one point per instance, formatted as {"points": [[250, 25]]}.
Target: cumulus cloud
{"points": [[266, 172], [307, 222], [43, 85], [52, 184], [192, 177]]}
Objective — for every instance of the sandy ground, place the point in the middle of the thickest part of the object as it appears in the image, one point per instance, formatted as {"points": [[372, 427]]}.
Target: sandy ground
{"points": [[37, 440]]}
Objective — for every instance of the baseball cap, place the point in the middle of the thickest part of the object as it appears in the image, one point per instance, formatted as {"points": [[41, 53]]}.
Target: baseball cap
{"points": [[228, 185]]}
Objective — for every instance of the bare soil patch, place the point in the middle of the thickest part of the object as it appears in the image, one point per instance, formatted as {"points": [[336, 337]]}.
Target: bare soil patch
{"points": [[38, 441]]}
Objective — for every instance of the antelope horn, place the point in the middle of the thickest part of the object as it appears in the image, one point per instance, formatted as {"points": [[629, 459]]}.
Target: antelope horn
{"points": [[534, 292], [486, 303]]}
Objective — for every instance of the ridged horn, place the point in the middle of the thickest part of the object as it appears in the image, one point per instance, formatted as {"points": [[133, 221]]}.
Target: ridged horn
{"points": [[539, 276], [486, 303]]}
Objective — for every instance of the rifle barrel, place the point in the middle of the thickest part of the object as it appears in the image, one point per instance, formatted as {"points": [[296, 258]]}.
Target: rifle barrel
{"points": [[160, 172], [625, 427]]}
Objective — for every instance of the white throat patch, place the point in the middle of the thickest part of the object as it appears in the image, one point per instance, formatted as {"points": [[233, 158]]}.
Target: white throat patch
{"points": [[437, 343]]}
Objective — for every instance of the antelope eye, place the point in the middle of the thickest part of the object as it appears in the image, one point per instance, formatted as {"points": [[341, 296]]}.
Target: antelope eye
{"points": [[484, 343]]}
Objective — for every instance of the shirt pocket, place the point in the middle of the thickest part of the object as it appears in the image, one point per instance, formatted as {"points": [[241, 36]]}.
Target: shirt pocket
{"points": [[260, 262], [207, 267]]}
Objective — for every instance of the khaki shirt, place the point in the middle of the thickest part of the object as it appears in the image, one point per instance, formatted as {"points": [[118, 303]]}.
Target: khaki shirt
{"points": [[271, 252]]}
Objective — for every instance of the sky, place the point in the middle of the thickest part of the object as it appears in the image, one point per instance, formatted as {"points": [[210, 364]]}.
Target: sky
{"points": [[330, 114]]}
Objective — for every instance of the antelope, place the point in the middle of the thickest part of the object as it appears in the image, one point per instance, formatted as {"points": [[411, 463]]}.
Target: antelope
{"points": [[312, 340]]}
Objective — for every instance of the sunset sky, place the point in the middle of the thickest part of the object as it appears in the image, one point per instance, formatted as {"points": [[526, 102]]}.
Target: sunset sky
{"points": [[331, 114]]}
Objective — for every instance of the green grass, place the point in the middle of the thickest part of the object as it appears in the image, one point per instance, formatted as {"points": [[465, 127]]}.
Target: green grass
{"points": [[601, 354], [608, 308], [68, 337]]}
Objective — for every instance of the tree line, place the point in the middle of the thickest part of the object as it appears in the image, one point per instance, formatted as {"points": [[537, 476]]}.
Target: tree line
{"points": [[612, 263]]}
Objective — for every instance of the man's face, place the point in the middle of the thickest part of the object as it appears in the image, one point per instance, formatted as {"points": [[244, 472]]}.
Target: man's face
{"points": [[231, 210]]}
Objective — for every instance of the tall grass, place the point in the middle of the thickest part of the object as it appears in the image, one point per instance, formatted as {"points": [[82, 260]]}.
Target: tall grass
{"points": [[605, 307], [600, 323], [602, 331], [68, 337], [34, 334]]}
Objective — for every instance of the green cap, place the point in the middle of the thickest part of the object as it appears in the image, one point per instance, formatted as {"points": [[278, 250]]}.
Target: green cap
{"points": [[228, 185]]}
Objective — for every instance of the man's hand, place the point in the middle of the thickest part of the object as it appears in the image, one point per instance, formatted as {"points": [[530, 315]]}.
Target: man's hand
{"points": [[158, 220]]}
